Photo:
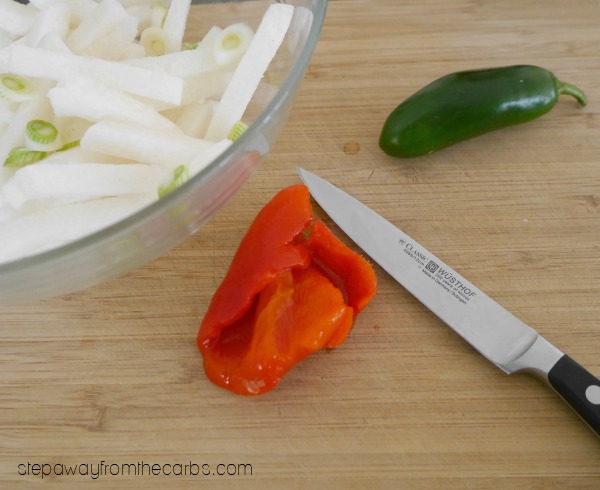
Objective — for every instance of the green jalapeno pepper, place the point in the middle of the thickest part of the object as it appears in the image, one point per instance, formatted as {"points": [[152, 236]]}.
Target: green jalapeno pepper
{"points": [[466, 104]]}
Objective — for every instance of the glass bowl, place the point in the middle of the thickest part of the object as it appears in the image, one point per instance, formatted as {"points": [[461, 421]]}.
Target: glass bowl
{"points": [[152, 231]]}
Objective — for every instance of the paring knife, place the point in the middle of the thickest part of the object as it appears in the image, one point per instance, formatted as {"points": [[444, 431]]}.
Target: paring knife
{"points": [[498, 335]]}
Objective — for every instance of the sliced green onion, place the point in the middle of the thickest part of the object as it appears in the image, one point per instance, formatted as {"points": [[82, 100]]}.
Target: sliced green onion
{"points": [[231, 44], [15, 88], [189, 46], [179, 176], [41, 132], [158, 14], [41, 135], [237, 130], [69, 145], [21, 156], [154, 41]]}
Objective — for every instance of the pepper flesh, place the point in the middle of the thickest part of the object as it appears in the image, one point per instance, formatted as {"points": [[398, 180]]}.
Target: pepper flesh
{"points": [[466, 104], [292, 289]]}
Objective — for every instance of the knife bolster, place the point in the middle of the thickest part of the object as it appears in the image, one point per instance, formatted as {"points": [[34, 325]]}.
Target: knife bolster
{"points": [[538, 359]]}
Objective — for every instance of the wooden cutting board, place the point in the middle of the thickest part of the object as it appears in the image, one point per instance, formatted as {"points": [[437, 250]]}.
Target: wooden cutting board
{"points": [[112, 376]]}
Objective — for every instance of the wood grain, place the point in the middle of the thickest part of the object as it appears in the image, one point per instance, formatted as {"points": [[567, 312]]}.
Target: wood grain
{"points": [[113, 374]]}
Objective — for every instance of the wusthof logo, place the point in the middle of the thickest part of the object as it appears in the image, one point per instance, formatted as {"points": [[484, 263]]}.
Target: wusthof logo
{"points": [[432, 266], [455, 283]]}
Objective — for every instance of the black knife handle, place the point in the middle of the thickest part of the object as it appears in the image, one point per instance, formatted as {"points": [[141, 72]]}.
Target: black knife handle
{"points": [[579, 388]]}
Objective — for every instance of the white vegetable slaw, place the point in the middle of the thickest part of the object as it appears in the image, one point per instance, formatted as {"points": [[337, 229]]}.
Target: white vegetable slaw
{"points": [[104, 109]]}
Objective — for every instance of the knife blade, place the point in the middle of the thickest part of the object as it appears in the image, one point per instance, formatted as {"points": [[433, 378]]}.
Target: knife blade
{"points": [[492, 330]]}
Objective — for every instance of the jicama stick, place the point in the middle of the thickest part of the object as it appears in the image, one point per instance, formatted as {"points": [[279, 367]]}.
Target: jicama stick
{"points": [[7, 111], [53, 42], [53, 20], [72, 182], [15, 18], [5, 38], [249, 72], [117, 45], [78, 9], [142, 13], [79, 155], [149, 13], [133, 3], [142, 144], [194, 119], [96, 25], [84, 98], [5, 174], [55, 226], [209, 38], [181, 64], [52, 65], [134, 50], [200, 161], [175, 21], [205, 86]]}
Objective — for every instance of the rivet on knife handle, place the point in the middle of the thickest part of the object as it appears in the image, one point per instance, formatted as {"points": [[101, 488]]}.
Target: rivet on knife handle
{"points": [[579, 388]]}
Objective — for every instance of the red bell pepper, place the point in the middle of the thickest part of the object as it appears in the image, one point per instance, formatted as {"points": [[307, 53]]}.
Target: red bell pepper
{"points": [[292, 289]]}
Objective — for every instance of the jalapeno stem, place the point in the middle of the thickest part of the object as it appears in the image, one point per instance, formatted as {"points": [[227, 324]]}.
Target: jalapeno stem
{"points": [[568, 89]]}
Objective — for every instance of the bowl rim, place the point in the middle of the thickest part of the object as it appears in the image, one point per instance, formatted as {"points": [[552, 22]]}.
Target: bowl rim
{"points": [[156, 208]]}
